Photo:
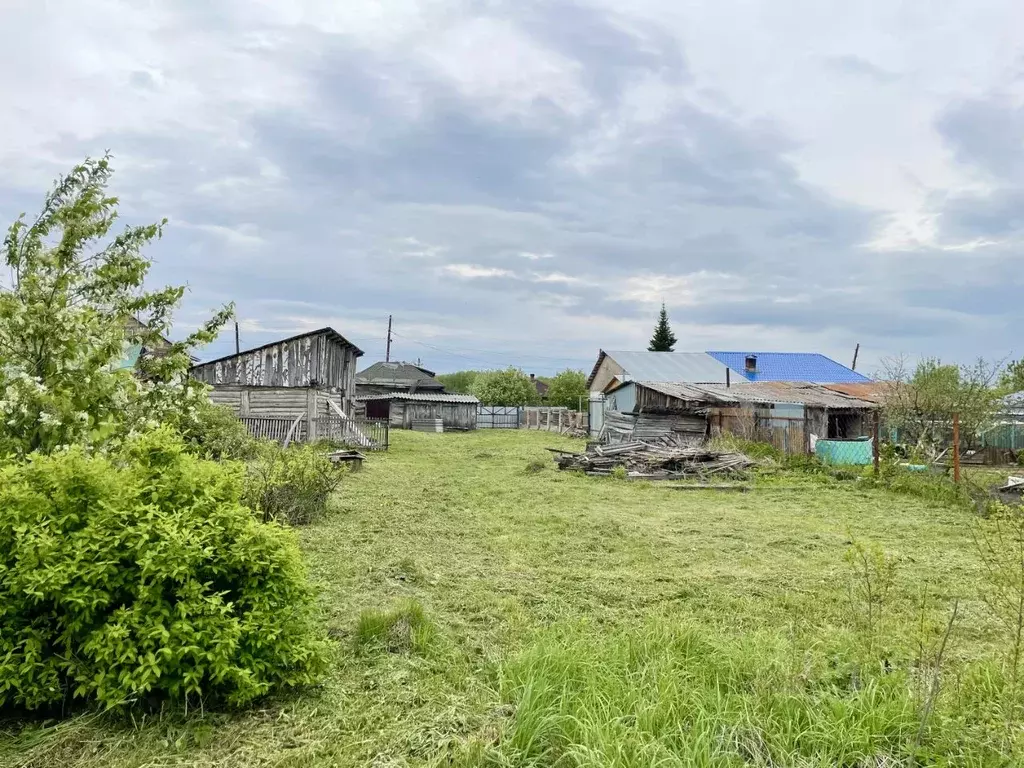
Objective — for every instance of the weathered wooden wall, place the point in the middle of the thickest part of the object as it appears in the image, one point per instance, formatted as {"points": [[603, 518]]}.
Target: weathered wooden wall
{"points": [[607, 371], [654, 427], [272, 402], [318, 360], [456, 416], [788, 434]]}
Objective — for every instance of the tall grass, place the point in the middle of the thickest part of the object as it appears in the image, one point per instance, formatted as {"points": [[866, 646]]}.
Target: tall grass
{"points": [[666, 695]]}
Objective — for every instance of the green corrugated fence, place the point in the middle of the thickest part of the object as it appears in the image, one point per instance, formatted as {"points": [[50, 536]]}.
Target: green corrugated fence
{"points": [[845, 451], [1009, 435]]}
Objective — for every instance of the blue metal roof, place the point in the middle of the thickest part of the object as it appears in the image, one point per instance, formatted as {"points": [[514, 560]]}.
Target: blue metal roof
{"points": [[790, 366]]}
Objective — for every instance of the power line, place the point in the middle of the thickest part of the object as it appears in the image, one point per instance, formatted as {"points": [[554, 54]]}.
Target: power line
{"points": [[505, 356]]}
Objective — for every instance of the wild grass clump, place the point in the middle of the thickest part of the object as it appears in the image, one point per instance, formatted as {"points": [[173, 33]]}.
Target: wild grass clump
{"points": [[290, 485], [755, 449], [406, 629], [668, 695], [936, 488], [534, 466]]}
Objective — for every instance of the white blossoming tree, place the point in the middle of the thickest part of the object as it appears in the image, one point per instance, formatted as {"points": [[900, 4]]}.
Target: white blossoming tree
{"points": [[67, 321]]}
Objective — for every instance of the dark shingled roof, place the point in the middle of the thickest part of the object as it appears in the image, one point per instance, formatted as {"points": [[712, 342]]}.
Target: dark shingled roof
{"points": [[393, 374]]}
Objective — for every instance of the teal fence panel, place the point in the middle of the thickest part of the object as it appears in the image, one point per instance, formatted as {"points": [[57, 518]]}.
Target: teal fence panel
{"points": [[845, 451], [1004, 436]]}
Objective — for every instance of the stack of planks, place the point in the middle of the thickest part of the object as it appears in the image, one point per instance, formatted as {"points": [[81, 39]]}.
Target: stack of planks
{"points": [[664, 461]]}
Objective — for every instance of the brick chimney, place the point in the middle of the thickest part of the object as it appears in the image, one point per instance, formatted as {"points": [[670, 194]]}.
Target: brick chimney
{"points": [[751, 364]]}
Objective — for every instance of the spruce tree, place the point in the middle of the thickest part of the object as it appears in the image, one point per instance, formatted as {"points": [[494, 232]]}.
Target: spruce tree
{"points": [[663, 339]]}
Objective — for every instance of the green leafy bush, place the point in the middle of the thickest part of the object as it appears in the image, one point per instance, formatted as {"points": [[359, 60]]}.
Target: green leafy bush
{"points": [[215, 432], [145, 578], [509, 386], [291, 484], [569, 390]]}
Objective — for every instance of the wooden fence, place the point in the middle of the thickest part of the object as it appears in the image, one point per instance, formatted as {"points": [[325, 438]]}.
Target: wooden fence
{"points": [[554, 419], [371, 434], [787, 434], [367, 434], [544, 418], [272, 428]]}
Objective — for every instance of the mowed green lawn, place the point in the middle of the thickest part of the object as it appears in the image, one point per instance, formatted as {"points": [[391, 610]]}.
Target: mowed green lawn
{"points": [[506, 555]]}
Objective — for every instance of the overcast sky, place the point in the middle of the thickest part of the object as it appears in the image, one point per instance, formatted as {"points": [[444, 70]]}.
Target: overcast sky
{"points": [[525, 182]]}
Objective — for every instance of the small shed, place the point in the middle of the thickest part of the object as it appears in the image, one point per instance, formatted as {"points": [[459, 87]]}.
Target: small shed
{"points": [[457, 412]]}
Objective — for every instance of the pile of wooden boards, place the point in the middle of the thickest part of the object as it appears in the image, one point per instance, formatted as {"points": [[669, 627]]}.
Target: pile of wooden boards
{"points": [[663, 461]]}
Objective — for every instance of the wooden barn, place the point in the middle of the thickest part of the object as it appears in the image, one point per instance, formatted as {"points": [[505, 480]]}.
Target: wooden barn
{"points": [[457, 412], [311, 375]]}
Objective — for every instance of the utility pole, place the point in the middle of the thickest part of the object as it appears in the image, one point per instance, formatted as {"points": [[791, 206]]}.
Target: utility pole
{"points": [[387, 353], [237, 347], [855, 351], [956, 448]]}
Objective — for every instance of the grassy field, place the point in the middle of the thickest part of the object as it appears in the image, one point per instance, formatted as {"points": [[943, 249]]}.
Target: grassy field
{"points": [[489, 610]]}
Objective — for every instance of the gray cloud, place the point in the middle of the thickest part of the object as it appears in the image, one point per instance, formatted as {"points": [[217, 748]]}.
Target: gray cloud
{"points": [[321, 169]]}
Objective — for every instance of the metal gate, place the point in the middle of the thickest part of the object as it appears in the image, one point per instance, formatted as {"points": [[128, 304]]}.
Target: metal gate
{"points": [[499, 417]]}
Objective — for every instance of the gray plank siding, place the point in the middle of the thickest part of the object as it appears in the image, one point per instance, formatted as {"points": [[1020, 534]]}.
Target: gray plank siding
{"points": [[272, 402], [318, 360]]}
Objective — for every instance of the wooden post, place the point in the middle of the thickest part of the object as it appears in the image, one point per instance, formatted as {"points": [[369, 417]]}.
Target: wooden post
{"points": [[956, 447], [874, 439], [311, 404], [243, 404]]}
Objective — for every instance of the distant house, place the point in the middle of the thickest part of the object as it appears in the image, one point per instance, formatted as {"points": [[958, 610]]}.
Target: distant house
{"points": [[541, 387], [395, 378], [133, 352], [311, 374], [614, 368]]}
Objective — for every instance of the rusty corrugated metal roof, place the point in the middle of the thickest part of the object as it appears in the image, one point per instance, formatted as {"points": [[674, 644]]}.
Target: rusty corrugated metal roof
{"points": [[873, 391], [761, 392]]}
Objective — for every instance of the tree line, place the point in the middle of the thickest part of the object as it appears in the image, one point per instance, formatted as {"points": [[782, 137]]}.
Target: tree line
{"points": [[511, 387]]}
